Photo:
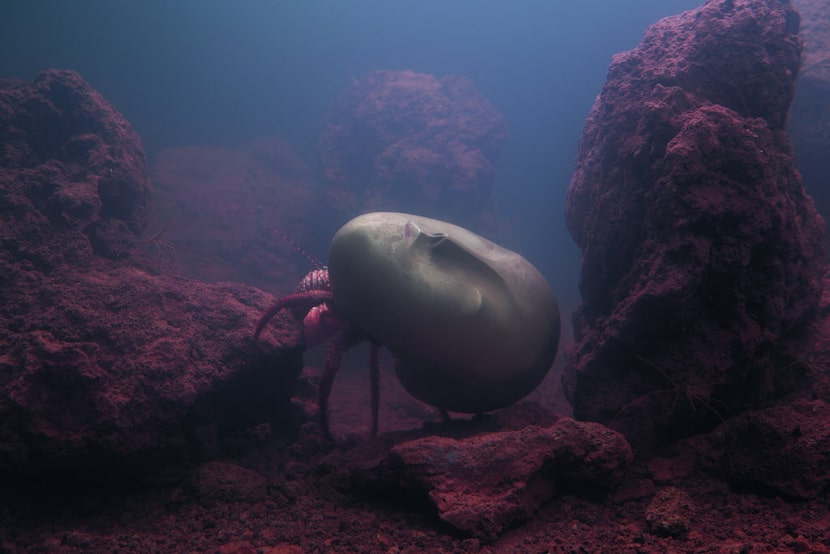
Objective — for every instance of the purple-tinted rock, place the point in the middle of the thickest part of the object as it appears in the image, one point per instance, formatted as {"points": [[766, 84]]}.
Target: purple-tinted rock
{"points": [[223, 212], [81, 165], [670, 513], [484, 483], [785, 446], [101, 363], [113, 364], [811, 377], [406, 141], [785, 449], [702, 255]]}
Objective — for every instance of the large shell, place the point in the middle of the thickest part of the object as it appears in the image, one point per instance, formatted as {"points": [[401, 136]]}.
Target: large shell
{"points": [[473, 326]]}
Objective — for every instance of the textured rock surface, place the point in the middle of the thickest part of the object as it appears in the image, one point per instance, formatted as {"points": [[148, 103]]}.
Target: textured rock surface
{"points": [[670, 513], [102, 363], [702, 255], [785, 449], [406, 141], [223, 482], [809, 121], [70, 163], [484, 483], [221, 212]]}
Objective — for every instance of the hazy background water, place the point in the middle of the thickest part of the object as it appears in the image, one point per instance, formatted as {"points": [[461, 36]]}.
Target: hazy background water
{"points": [[226, 72]]}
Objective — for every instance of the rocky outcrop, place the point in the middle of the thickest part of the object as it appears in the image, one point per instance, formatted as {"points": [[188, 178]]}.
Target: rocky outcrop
{"points": [[785, 449], [702, 255], [222, 214], [73, 172], [406, 141], [484, 483], [103, 364]]}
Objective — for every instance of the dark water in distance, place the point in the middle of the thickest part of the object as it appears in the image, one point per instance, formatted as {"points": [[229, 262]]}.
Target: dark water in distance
{"points": [[222, 72]]}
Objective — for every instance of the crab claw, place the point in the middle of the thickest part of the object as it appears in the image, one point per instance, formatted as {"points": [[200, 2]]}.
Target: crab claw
{"points": [[300, 301]]}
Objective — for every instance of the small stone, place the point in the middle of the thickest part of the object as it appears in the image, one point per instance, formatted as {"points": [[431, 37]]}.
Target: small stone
{"points": [[670, 513]]}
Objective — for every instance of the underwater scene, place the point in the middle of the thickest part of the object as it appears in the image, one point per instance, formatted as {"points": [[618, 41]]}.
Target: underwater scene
{"points": [[386, 276]]}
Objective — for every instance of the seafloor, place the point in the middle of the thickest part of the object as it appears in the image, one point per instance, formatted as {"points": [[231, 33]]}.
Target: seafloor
{"points": [[302, 507]]}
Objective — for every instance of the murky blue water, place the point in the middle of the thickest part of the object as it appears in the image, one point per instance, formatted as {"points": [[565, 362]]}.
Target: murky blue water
{"points": [[217, 72]]}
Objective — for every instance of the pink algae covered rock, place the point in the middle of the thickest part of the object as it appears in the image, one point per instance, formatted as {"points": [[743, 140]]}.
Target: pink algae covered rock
{"points": [[71, 163], [702, 255], [784, 448], [484, 483], [406, 141], [222, 214], [103, 364]]}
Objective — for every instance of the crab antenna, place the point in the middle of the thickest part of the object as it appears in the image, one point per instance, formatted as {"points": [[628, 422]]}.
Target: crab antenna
{"points": [[299, 249]]}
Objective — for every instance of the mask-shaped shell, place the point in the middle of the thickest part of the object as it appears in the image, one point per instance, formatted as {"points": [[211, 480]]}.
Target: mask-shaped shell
{"points": [[474, 327]]}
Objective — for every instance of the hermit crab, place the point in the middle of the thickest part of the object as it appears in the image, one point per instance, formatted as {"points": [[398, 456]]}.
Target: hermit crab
{"points": [[472, 326]]}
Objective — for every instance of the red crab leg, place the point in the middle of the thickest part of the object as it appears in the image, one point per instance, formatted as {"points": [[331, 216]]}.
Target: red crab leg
{"points": [[304, 300], [339, 344]]}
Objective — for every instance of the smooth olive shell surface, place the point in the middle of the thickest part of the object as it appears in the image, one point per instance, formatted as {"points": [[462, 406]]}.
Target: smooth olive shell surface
{"points": [[473, 326]]}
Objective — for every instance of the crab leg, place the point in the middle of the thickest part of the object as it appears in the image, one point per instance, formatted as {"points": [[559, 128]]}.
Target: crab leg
{"points": [[301, 301]]}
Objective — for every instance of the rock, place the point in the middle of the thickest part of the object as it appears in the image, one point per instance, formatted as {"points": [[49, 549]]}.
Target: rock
{"points": [[113, 363], [785, 449], [73, 171], [222, 482], [702, 255], [670, 513], [406, 141], [809, 121], [810, 378], [223, 212], [484, 483], [782, 448], [103, 365]]}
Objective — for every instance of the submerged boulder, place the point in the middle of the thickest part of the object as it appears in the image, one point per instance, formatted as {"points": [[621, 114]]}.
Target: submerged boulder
{"points": [[784, 449], [73, 172], [104, 364], [226, 211], [484, 483], [411, 142], [702, 254]]}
